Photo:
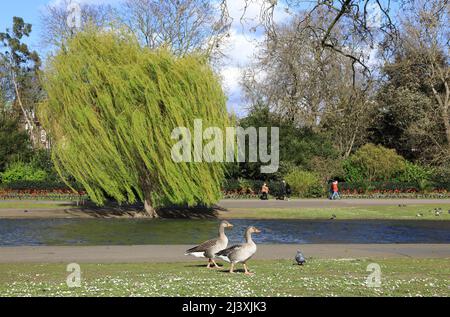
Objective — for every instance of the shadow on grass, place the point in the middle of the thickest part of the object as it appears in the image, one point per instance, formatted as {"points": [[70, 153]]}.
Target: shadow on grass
{"points": [[114, 210], [196, 265], [234, 271]]}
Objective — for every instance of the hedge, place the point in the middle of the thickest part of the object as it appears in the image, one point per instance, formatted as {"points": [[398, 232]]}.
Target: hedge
{"points": [[42, 190], [42, 185], [244, 188], [232, 188], [247, 188]]}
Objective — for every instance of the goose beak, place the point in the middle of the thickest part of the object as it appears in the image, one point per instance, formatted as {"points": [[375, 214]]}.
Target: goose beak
{"points": [[230, 225], [257, 231]]}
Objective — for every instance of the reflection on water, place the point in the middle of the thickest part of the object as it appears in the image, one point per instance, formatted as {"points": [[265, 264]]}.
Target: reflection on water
{"points": [[17, 232]]}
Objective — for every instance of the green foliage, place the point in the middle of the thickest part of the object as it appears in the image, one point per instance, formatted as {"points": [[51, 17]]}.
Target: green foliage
{"points": [[415, 173], [298, 145], [373, 163], [14, 144], [407, 119], [20, 171], [41, 159], [379, 186], [23, 63], [305, 184], [327, 167], [441, 176], [111, 108]]}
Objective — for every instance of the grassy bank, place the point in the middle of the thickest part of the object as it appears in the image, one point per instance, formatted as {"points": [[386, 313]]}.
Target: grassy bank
{"points": [[14, 209], [399, 277], [410, 212], [29, 205]]}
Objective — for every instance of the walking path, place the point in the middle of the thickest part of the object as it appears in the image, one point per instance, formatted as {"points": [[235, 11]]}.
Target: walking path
{"points": [[175, 253], [64, 209]]}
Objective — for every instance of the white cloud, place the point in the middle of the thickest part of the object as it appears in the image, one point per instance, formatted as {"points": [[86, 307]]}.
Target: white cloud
{"points": [[246, 35]]}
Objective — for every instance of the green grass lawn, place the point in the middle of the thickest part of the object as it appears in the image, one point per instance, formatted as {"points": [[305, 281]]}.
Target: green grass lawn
{"points": [[410, 212], [399, 277]]}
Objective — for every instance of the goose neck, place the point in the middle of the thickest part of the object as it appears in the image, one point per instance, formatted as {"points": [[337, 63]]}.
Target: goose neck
{"points": [[248, 237], [221, 232]]}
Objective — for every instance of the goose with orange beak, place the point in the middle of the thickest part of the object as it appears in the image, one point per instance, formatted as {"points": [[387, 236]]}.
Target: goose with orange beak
{"points": [[208, 249], [240, 253]]}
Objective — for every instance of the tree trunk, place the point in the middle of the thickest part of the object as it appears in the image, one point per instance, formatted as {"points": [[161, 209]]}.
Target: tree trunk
{"points": [[445, 118], [149, 210]]}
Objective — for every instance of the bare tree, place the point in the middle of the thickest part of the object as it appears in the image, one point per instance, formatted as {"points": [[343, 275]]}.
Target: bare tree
{"points": [[349, 21], [311, 85], [425, 34], [183, 26], [348, 120], [55, 26]]}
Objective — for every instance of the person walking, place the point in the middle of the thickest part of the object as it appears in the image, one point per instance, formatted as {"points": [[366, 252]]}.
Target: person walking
{"points": [[265, 192], [282, 195], [335, 190], [288, 191]]}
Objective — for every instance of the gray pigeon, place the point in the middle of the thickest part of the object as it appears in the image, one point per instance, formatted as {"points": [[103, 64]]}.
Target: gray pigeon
{"points": [[300, 258]]}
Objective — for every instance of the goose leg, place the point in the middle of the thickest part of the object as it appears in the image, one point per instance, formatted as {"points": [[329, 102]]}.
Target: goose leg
{"points": [[232, 267], [247, 272], [215, 264], [209, 264]]}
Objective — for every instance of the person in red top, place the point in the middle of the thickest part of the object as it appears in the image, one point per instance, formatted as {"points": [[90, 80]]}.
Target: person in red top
{"points": [[335, 190]]}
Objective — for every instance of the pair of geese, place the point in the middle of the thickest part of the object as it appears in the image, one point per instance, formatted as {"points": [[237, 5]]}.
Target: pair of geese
{"points": [[217, 248]]}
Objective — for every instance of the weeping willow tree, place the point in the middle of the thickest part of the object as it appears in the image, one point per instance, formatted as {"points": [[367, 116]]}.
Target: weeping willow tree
{"points": [[110, 111]]}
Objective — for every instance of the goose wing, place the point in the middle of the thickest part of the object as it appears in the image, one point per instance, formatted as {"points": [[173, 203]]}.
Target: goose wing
{"points": [[202, 247], [226, 252]]}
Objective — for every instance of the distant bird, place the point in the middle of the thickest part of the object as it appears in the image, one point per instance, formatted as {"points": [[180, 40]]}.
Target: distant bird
{"points": [[333, 216], [209, 249], [437, 211], [25, 211], [240, 253], [419, 215], [300, 258], [402, 205]]}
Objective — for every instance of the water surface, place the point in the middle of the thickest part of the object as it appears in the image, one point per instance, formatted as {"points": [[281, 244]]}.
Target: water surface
{"points": [[21, 232]]}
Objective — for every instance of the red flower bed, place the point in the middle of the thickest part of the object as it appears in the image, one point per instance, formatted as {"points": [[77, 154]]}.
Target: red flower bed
{"points": [[395, 193], [42, 194]]}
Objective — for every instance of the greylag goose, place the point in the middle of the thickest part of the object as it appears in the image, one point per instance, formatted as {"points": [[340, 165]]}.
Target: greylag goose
{"points": [[240, 253], [208, 249]]}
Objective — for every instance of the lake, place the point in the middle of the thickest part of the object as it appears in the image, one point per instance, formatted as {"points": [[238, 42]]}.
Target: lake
{"points": [[30, 232]]}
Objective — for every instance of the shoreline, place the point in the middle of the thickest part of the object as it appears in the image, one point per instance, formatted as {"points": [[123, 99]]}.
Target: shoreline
{"points": [[175, 253], [308, 209]]}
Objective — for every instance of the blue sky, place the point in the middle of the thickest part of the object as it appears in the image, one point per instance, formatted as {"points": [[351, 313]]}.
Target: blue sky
{"points": [[240, 48], [27, 9]]}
